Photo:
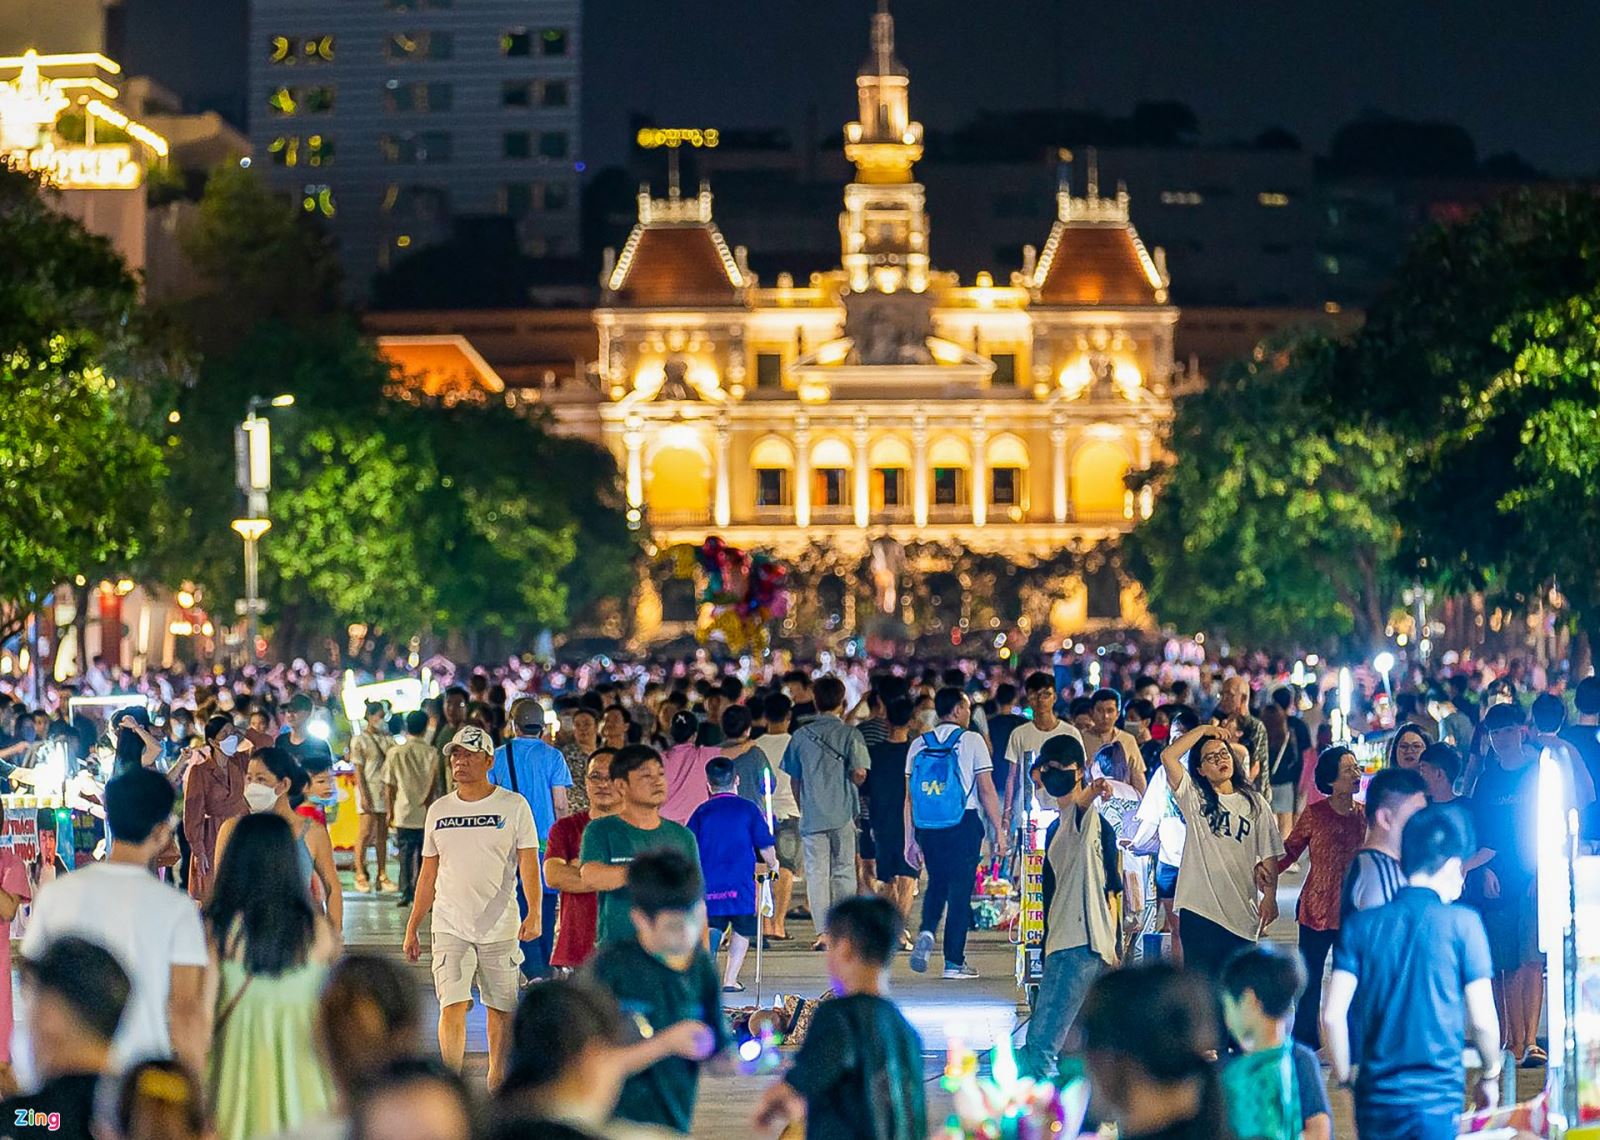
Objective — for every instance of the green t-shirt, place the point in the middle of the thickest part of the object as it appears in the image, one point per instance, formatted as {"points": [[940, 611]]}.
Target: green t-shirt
{"points": [[614, 841], [652, 996]]}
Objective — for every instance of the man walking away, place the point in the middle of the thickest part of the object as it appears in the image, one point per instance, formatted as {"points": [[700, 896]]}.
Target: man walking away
{"points": [[535, 770], [827, 761], [785, 811], [369, 752], [1417, 971], [153, 930], [478, 840], [948, 776], [1393, 796], [411, 778]]}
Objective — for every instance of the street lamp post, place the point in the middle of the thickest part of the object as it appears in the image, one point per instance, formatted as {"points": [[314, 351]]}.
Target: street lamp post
{"points": [[252, 445]]}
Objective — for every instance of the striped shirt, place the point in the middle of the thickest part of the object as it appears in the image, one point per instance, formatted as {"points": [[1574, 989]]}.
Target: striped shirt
{"points": [[1373, 879]]}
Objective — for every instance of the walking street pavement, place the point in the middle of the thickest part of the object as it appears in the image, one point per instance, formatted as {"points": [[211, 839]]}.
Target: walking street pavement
{"points": [[980, 1011]]}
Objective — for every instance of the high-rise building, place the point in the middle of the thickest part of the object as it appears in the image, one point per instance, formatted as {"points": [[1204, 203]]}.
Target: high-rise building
{"points": [[395, 118]]}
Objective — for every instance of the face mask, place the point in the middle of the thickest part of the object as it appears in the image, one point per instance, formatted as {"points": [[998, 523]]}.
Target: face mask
{"points": [[259, 797], [1058, 782], [229, 745], [326, 801], [1160, 732]]}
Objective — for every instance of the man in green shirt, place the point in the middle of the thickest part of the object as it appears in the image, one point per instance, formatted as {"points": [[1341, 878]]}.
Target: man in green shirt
{"points": [[611, 844]]}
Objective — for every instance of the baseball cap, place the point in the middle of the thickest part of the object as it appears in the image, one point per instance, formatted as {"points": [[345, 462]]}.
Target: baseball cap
{"points": [[473, 739], [527, 713]]}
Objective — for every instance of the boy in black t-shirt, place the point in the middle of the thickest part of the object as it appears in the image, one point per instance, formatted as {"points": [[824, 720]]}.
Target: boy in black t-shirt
{"points": [[662, 977], [859, 1073]]}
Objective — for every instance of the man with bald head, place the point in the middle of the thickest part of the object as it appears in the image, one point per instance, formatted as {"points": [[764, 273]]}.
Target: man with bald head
{"points": [[1233, 713]]}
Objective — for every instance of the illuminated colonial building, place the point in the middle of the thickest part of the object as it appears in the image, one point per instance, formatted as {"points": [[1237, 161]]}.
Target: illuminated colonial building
{"points": [[885, 407]]}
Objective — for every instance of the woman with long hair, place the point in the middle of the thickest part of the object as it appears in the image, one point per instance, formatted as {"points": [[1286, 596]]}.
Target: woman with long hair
{"points": [[1406, 747], [1227, 892], [272, 778], [1332, 829], [1155, 1083], [271, 951], [213, 793]]}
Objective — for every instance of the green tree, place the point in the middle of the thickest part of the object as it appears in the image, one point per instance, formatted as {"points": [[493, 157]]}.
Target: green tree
{"points": [[1273, 522], [1480, 357], [80, 451]]}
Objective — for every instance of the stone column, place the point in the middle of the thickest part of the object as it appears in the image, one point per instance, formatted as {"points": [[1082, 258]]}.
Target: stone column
{"points": [[863, 493], [1058, 472], [721, 513], [919, 471], [979, 491], [633, 440], [802, 472]]}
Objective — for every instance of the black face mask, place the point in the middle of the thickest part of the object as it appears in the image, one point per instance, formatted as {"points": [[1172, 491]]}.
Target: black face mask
{"points": [[1058, 782]]}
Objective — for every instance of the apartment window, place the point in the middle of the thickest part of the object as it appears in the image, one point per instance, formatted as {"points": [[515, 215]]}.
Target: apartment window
{"points": [[516, 200], [831, 487], [1272, 198], [516, 144], [418, 148], [772, 487], [1181, 198], [297, 150], [553, 196], [418, 5], [421, 204], [1005, 369], [553, 42], [300, 100], [1006, 487], [949, 486], [418, 97], [516, 93], [317, 198], [553, 144], [289, 50], [769, 370], [402, 46], [516, 43], [554, 93]]}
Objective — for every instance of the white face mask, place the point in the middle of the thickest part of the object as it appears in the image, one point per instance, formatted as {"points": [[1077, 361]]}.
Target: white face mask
{"points": [[259, 797], [229, 745]]}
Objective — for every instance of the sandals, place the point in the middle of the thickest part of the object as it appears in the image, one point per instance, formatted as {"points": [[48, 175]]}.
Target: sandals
{"points": [[1535, 1058], [736, 988]]}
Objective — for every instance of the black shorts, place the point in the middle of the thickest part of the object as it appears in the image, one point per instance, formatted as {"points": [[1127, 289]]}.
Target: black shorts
{"points": [[743, 925], [1166, 880], [788, 842], [866, 846]]}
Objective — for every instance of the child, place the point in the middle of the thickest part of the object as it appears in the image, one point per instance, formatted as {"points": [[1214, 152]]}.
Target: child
{"points": [[859, 1073], [1274, 1090], [731, 831], [661, 977]]}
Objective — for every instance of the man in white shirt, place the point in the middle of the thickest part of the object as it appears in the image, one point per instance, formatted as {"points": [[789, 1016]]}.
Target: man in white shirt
{"points": [[1039, 691], [1107, 707], [153, 930], [952, 853], [785, 812], [476, 842]]}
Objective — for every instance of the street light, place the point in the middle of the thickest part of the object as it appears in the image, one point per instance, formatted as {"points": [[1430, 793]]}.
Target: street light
{"points": [[252, 445], [1384, 664]]}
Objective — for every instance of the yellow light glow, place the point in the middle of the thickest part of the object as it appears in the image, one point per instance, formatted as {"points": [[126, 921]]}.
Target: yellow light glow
{"points": [[700, 138], [403, 241], [1125, 375], [70, 59], [1076, 377], [186, 599]]}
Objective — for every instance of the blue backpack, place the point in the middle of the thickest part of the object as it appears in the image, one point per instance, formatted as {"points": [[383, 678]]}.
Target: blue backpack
{"points": [[937, 796]]}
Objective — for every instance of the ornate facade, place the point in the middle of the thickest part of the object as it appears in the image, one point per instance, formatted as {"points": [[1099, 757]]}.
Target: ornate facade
{"points": [[884, 399]]}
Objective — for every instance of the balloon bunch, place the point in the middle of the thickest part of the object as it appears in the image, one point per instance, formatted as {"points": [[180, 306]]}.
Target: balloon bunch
{"points": [[743, 592], [1006, 1105]]}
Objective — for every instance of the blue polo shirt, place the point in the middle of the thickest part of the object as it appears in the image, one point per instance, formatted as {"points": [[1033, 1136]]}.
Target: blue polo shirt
{"points": [[1412, 958], [540, 767]]}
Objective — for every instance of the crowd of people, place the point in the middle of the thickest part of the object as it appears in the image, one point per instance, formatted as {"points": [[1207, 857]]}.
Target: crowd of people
{"points": [[609, 833]]}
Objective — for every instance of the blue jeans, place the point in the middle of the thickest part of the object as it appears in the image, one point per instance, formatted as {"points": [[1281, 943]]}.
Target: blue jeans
{"points": [[1067, 977], [1404, 1122], [536, 954]]}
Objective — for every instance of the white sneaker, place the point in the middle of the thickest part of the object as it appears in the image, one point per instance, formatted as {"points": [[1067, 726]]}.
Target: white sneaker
{"points": [[920, 952], [961, 972]]}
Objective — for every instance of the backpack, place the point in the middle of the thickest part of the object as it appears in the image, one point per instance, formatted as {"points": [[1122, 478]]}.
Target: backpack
{"points": [[937, 797]]}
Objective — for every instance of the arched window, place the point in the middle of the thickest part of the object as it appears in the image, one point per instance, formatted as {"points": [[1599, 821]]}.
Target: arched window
{"points": [[951, 462], [890, 459], [831, 461], [1099, 482], [772, 460], [1008, 473]]}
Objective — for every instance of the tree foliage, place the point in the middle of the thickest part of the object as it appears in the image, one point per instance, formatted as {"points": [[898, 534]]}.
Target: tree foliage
{"points": [[80, 452], [1274, 524]]}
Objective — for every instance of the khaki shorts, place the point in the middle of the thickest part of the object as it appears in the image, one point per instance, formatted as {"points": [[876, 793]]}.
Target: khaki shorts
{"points": [[492, 966]]}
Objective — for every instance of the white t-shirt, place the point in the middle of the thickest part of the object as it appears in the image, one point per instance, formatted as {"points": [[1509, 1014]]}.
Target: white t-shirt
{"points": [[477, 842], [972, 757], [1026, 738], [1157, 810], [1217, 876], [150, 928], [784, 805]]}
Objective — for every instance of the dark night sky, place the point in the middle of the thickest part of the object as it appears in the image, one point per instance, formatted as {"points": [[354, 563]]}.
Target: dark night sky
{"points": [[1519, 77]]}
